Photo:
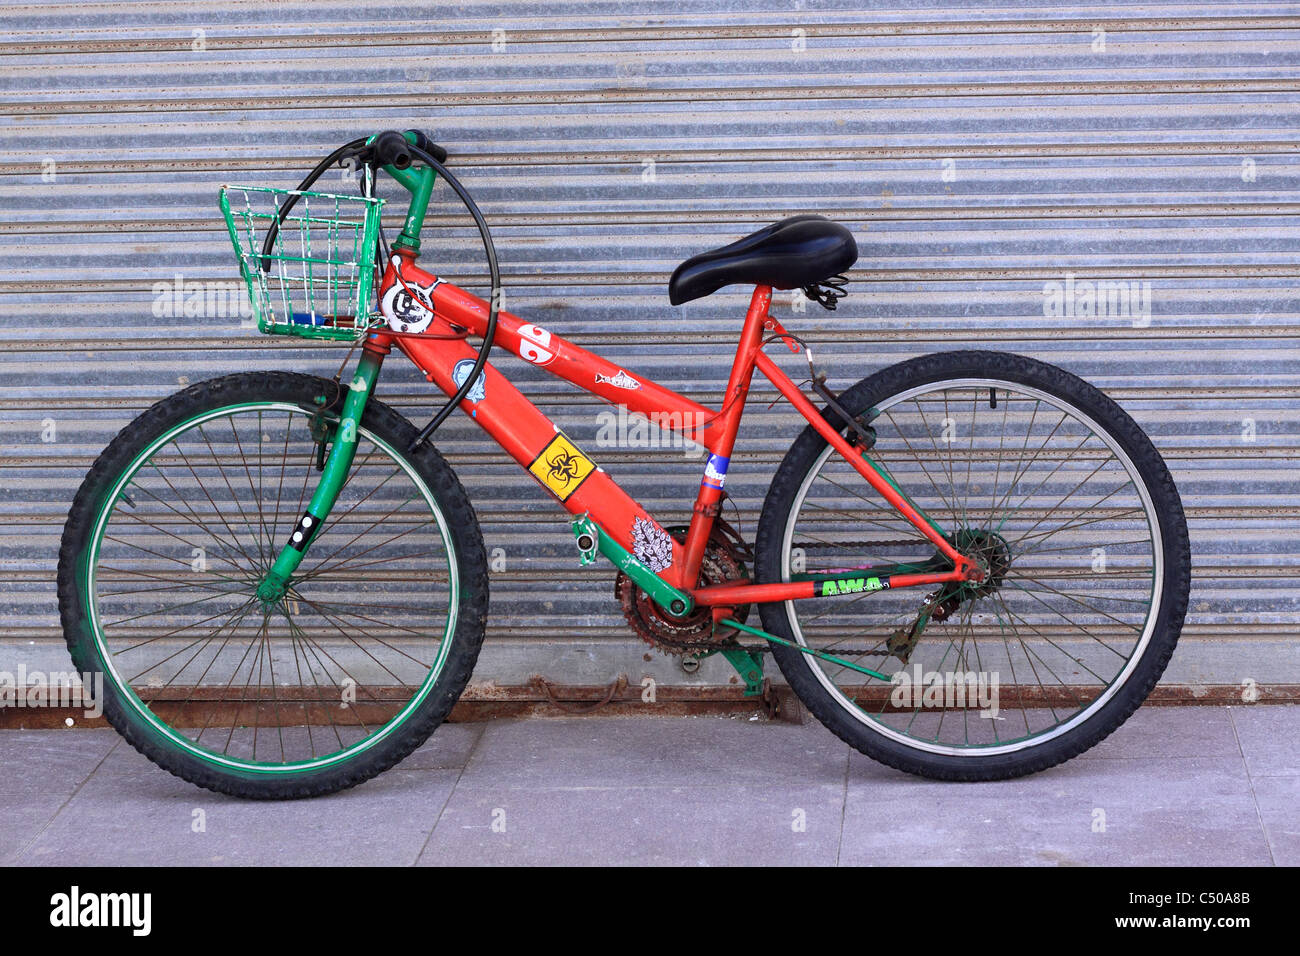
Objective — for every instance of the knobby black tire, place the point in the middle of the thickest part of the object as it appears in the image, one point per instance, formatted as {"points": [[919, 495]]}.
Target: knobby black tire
{"points": [[466, 540], [928, 370]]}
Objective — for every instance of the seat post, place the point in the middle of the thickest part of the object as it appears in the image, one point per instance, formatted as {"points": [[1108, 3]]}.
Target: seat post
{"points": [[727, 424]]}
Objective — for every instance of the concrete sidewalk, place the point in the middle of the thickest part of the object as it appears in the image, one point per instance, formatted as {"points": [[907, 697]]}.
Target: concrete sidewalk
{"points": [[1189, 786]]}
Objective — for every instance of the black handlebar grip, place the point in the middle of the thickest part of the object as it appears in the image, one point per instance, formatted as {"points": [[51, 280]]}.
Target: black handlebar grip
{"points": [[423, 142], [391, 149]]}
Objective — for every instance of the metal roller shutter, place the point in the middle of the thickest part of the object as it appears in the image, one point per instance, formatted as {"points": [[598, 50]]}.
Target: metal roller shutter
{"points": [[977, 156]]}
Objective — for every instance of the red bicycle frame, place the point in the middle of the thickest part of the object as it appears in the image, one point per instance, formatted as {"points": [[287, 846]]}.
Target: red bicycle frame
{"points": [[581, 485]]}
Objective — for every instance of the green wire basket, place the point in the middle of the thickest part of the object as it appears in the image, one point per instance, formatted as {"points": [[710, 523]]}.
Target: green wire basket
{"points": [[318, 280]]}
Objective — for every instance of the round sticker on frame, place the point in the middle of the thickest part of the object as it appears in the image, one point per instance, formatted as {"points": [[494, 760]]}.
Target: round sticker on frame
{"points": [[535, 345]]}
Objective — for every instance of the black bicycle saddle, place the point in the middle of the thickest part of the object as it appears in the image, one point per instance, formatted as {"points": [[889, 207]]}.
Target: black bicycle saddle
{"points": [[793, 253]]}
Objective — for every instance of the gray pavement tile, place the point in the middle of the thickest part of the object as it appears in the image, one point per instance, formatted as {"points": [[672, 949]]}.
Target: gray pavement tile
{"points": [[1176, 811], [45, 761], [1278, 799], [752, 824], [42, 769], [1170, 732], [681, 791], [652, 751], [1270, 738], [131, 813], [21, 819], [448, 749]]}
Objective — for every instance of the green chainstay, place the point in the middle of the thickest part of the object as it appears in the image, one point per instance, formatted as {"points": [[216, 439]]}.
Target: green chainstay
{"points": [[821, 655]]}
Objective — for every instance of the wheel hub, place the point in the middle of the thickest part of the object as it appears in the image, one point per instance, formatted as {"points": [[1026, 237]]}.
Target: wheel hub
{"points": [[991, 552], [270, 591]]}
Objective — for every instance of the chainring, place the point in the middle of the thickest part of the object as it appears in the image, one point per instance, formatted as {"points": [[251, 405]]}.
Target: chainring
{"points": [[723, 562]]}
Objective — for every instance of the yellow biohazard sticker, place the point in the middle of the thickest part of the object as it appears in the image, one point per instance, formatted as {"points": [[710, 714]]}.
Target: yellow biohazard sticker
{"points": [[561, 467]]}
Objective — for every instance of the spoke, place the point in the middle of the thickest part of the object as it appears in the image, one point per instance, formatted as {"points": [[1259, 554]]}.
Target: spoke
{"points": [[234, 498], [919, 706], [150, 589], [1047, 573], [323, 568], [1029, 658], [279, 489], [1030, 654], [239, 707], [170, 582], [997, 472], [1046, 478], [1076, 600], [901, 526], [1021, 472], [1015, 681], [309, 644], [198, 522], [337, 520], [158, 554], [1033, 549], [970, 456], [170, 607], [917, 458], [1075, 547], [161, 530], [1056, 507], [257, 498], [338, 615], [1070, 594], [232, 620], [199, 682], [330, 572], [297, 666], [173, 631], [323, 562], [1074, 624], [275, 699], [216, 510]]}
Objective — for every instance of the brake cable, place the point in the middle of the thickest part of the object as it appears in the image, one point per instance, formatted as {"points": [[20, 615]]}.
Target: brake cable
{"points": [[348, 149], [359, 147], [494, 301]]}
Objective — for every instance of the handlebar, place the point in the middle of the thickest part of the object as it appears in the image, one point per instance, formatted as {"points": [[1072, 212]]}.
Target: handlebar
{"points": [[389, 148], [392, 148], [399, 151]]}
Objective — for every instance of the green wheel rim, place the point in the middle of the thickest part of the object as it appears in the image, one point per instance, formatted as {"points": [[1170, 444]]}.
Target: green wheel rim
{"points": [[134, 702]]}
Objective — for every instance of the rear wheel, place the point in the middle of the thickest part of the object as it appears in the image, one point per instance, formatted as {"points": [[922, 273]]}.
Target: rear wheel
{"points": [[1064, 500], [342, 677]]}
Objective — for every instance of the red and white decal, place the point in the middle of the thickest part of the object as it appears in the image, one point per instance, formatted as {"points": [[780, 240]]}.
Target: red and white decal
{"points": [[535, 345]]}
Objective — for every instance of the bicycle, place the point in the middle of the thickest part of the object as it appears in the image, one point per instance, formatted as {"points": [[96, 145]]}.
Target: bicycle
{"points": [[285, 588]]}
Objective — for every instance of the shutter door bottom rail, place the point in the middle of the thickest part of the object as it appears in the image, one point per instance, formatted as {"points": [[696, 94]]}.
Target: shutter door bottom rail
{"points": [[624, 697]]}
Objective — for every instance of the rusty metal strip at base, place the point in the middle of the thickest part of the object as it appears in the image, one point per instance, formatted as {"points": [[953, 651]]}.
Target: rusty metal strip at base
{"points": [[487, 701]]}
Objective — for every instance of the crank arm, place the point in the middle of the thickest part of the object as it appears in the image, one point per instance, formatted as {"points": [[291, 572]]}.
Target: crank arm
{"points": [[591, 538]]}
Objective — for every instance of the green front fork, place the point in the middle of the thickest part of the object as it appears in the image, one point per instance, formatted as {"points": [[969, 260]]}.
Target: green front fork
{"points": [[333, 477]]}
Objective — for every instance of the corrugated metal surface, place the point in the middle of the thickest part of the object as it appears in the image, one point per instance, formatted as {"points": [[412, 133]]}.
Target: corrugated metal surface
{"points": [[976, 155]]}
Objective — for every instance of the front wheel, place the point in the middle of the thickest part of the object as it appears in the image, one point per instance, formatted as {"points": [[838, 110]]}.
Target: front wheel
{"points": [[1056, 491], [347, 673]]}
